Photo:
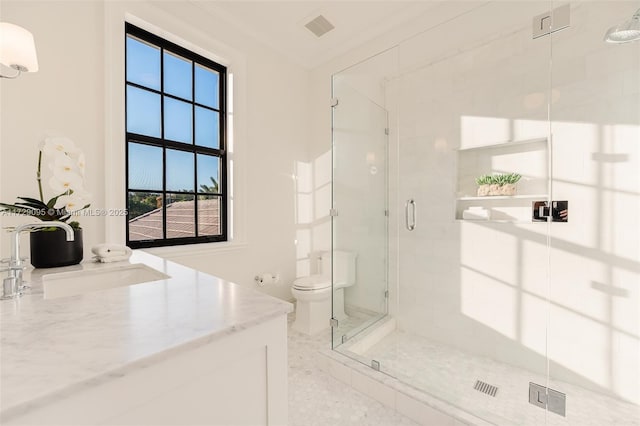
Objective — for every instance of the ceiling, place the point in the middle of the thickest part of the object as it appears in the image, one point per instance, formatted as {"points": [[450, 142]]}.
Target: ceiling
{"points": [[280, 24]]}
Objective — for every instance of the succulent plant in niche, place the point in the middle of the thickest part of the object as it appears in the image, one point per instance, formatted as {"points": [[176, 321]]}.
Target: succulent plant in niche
{"points": [[508, 186], [483, 183], [497, 184]]}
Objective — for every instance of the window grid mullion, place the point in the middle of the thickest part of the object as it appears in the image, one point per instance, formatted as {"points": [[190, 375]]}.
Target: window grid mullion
{"points": [[180, 146], [164, 148], [169, 95], [177, 49], [195, 154], [222, 123], [126, 151]]}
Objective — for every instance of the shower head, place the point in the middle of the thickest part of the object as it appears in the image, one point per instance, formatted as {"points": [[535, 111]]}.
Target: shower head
{"points": [[626, 32]]}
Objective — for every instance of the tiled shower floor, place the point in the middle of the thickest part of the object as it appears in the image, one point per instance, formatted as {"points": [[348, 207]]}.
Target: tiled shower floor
{"points": [[450, 374]]}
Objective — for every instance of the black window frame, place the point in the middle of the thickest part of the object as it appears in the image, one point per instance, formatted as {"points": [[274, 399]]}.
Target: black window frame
{"points": [[164, 144]]}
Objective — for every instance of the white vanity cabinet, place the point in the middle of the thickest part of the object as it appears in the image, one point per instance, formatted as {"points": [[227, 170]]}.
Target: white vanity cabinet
{"points": [[220, 361], [240, 379]]}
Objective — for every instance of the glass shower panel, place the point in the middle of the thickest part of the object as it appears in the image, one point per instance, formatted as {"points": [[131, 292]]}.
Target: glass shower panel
{"points": [[472, 290], [359, 219], [594, 301]]}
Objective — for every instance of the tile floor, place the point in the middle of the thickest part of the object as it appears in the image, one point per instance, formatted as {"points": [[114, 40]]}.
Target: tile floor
{"points": [[452, 374], [316, 398]]}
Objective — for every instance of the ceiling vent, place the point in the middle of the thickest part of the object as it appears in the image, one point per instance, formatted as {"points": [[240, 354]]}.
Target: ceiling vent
{"points": [[319, 26]]}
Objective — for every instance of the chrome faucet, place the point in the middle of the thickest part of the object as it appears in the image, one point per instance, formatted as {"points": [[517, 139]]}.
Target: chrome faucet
{"points": [[12, 285]]}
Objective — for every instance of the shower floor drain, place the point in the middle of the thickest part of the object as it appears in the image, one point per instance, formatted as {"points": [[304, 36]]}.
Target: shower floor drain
{"points": [[483, 387]]}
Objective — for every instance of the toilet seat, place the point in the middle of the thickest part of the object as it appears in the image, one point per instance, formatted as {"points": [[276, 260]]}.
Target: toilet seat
{"points": [[313, 282]]}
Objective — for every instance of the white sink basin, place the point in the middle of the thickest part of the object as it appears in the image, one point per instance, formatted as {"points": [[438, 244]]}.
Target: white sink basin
{"points": [[66, 284]]}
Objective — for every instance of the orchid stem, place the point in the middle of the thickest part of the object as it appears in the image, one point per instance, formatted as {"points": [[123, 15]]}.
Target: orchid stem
{"points": [[39, 176]]}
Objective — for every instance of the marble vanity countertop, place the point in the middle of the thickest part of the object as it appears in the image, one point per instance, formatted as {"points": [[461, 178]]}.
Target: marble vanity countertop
{"points": [[51, 348]]}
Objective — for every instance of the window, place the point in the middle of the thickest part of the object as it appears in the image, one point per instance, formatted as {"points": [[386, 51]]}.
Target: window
{"points": [[175, 144]]}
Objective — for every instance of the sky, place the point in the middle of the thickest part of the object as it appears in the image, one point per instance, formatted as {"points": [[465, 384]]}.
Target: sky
{"points": [[145, 168]]}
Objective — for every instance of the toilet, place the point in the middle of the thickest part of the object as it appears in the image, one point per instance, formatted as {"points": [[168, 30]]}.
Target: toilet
{"points": [[313, 293]]}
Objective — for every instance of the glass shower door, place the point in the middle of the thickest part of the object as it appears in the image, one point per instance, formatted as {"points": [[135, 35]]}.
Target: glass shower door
{"points": [[359, 215], [473, 272]]}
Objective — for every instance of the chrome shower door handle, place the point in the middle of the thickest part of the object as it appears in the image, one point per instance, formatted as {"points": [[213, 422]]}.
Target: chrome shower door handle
{"points": [[410, 214]]}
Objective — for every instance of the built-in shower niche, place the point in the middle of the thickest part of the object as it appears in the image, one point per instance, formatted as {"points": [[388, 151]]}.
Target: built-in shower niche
{"points": [[529, 158]]}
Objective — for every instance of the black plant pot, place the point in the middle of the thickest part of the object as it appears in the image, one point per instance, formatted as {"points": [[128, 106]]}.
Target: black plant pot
{"points": [[50, 249]]}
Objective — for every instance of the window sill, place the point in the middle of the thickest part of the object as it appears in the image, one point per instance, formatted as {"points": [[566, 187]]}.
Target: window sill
{"points": [[189, 250]]}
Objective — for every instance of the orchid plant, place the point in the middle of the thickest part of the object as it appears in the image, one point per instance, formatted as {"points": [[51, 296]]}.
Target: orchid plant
{"points": [[67, 166]]}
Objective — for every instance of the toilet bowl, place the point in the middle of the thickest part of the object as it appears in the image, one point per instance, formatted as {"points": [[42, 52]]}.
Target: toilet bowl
{"points": [[313, 293]]}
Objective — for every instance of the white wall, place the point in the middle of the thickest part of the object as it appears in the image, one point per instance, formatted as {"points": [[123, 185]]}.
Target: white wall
{"points": [[75, 94], [65, 98], [486, 288]]}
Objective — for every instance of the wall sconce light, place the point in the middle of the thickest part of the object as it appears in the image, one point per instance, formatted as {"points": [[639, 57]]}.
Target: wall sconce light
{"points": [[17, 50]]}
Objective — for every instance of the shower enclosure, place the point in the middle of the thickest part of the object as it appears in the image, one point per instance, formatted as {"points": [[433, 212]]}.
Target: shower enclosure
{"points": [[486, 301]]}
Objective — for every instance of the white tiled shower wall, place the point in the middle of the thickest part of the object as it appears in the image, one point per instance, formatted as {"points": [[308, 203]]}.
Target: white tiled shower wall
{"points": [[484, 287]]}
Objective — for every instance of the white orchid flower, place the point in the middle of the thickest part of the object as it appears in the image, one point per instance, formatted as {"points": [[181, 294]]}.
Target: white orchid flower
{"points": [[80, 163], [63, 183], [56, 146], [71, 203], [62, 165]]}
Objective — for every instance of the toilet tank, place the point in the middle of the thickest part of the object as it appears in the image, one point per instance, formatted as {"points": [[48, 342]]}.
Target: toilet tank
{"points": [[344, 271]]}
